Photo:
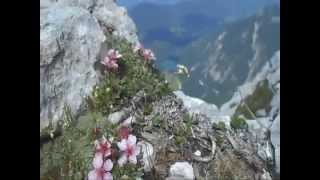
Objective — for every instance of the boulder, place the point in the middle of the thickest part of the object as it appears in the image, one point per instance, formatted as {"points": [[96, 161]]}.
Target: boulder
{"points": [[116, 117], [70, 40], [181, 170]]}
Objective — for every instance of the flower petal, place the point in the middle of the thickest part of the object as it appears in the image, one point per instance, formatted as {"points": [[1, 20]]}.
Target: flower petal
{"points": [[92, 175], [107, 166], [122, 145], [107, 176], [113, 64], [107, 153], [97, 160], [106, 60], [110, 52], [133, 159], [132, 140], [137, 47], [122, 160]]}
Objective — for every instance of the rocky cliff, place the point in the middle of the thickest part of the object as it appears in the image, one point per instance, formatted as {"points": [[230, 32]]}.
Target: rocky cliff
{"points": [[71, 35], [98, 89]]}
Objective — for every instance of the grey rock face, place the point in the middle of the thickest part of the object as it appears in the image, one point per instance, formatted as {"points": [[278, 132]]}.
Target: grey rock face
{"points": [[85, 4], [70, 40], [109, 15], [46, 3], [198, 106], [258, 127], [148, 155], [275, 140], [270, 72], [71, 34], [266, 176]]}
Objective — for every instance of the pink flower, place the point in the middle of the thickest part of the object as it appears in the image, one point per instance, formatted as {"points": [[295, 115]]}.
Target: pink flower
{"points": [[110, 61], [129, 150], [103, 147], [148, 55], [137, 47], [114, 54], [101, 169]]}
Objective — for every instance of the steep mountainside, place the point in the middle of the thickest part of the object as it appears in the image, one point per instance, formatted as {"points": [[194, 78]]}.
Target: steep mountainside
{"points": [[106, 112], [259, 100], [169, 28], [255, 105], [225, 60]]}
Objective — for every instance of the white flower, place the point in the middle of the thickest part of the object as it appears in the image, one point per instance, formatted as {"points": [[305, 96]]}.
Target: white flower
{"points": [[114, 54]]}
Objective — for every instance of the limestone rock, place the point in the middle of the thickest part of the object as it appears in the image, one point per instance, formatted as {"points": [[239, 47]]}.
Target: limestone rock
{"points": [[275, 140], [72, 33], [148, 155], [109, 15], [129, 121], [46, 3], [183, 170], [70, 39], [265, 176], [116, 117]]}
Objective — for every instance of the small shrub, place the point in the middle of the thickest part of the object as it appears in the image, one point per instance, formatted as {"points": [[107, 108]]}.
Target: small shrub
{"points": [[69, 156], [238, 123], [220, 126], [147, 109], [133, 74], [219, 140]]}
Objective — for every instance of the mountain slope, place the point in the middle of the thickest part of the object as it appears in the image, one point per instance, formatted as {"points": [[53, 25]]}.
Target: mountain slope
{"points": [[174, 26], [130, 125], [256, 105], [227, 59]]}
